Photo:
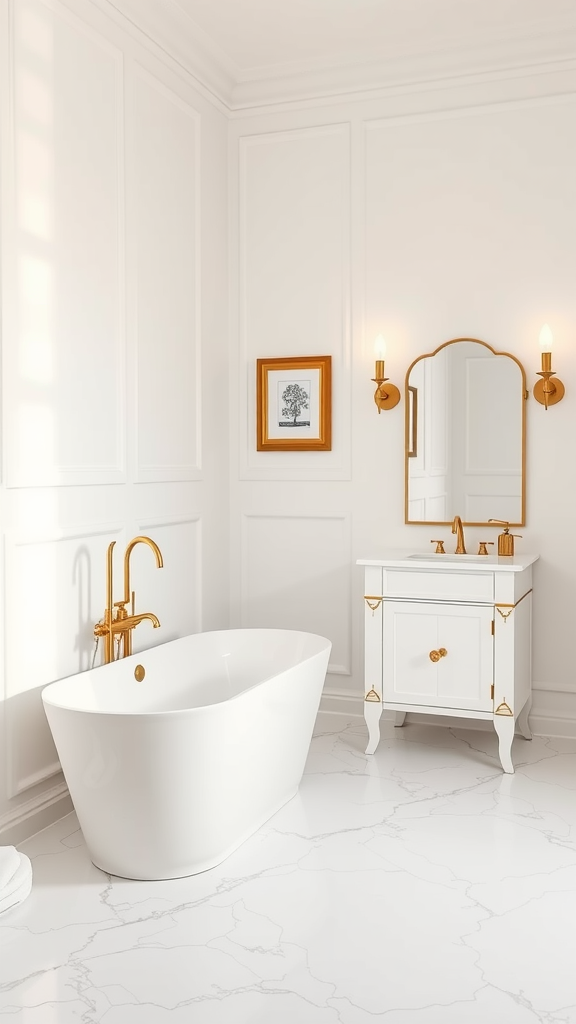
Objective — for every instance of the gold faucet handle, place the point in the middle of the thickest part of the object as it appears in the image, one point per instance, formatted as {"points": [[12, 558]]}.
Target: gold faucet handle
{"points": [[121, 613], [100, 629], [121, 606], [482, 546], [439, 546]]}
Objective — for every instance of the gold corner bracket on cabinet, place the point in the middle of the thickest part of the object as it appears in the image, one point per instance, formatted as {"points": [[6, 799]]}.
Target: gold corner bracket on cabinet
{"points": [[504, 709], [373, 601], [510, 607], [373, 697]]}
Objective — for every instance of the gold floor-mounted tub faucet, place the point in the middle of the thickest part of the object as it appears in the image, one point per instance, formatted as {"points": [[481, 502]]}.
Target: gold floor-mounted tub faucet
{"points": [[117, 626]]}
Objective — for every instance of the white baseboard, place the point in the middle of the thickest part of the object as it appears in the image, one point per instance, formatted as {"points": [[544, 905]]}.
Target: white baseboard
{"points": [[35, 814], [543, 722]]}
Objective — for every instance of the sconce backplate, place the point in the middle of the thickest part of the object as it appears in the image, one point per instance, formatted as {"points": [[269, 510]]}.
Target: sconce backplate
{"points": [[556, 396], [389, 399]]}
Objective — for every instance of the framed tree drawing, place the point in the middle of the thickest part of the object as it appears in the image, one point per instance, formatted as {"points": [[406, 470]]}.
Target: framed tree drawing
{"points": [[294, 404]]}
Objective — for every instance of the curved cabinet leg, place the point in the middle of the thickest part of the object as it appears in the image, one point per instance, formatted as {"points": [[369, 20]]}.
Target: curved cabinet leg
{"points": [[399, 718], [372, 712], [504, 725], [522, 720]]}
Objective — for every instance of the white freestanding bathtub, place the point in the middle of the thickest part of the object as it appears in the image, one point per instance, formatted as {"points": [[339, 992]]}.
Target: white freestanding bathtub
{"points": [[170, 774]]}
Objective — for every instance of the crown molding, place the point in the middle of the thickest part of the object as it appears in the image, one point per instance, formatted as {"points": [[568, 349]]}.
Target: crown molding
{"points": [[166, 27], [542, 48], [534, 53]]}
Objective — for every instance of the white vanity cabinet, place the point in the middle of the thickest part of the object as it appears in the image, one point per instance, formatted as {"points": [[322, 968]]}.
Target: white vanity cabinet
{"points": [[449, 635]]}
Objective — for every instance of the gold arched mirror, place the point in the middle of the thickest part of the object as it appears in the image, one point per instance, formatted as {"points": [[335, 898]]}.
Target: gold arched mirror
{"points": [[466, 435]]}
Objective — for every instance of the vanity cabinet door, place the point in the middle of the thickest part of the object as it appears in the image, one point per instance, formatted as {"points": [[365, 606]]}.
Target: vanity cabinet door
{"points": [[438, 655]]}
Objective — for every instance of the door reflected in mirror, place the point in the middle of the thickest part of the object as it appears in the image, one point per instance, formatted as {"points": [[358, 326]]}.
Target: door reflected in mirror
{"points": [[465, 435]]}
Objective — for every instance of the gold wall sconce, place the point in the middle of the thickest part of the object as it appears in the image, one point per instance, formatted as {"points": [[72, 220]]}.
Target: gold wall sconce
{"points": [[386, 395], [549, 390]]}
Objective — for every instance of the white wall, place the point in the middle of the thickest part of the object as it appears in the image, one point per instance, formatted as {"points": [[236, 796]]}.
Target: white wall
{"points": [[425, 215], [422, 214], [115, 423]]}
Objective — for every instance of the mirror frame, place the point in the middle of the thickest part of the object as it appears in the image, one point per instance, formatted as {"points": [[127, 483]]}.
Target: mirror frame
{"points": [[407, 456]]}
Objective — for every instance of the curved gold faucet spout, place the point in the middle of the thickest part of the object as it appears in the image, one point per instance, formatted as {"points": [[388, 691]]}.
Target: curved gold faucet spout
{"points": [[152, 618], [458, 529], [123, 625], [138, 540]]}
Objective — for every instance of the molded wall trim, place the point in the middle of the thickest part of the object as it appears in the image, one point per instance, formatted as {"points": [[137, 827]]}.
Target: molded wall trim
{"points": [[163, 25], [35, 814]]}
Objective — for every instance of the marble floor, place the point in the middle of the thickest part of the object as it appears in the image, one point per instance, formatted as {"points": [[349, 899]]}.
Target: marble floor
{"points": [[416, 886]]}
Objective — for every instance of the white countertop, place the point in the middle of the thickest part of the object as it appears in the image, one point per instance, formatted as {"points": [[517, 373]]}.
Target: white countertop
{"points": [[450, 562]]}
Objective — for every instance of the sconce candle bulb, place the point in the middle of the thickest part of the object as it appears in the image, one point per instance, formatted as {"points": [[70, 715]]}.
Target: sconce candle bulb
{"points": [[549, 390], [545, 338], [386, 395], [380, 347]]}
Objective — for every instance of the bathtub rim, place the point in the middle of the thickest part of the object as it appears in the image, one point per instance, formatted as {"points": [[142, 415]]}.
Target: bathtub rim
{"points": [[147, 715]]}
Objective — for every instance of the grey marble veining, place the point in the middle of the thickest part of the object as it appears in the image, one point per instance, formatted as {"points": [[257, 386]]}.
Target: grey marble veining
{"points": [[416, 886]]}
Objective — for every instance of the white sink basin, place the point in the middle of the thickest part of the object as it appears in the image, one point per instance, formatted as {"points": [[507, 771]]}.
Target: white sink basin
{"points": [[430, 557], [449, 562]]}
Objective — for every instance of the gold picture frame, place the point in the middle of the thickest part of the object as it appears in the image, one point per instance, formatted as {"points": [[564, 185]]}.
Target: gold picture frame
{"points": [[294, 404]]}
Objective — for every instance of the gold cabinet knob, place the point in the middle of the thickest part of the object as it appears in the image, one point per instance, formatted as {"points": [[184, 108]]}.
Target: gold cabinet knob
{"points": [[440, 653]]}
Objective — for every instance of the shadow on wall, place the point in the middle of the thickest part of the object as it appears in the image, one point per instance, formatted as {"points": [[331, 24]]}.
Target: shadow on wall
{"points": [[84, 642]]}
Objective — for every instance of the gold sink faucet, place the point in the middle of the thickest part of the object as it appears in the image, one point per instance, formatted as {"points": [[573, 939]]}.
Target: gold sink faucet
{"points": [[119, 626], [458, 529]]}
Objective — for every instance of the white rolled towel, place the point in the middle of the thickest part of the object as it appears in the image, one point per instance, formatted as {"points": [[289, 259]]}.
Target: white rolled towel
{"points": [[15, 877]]}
